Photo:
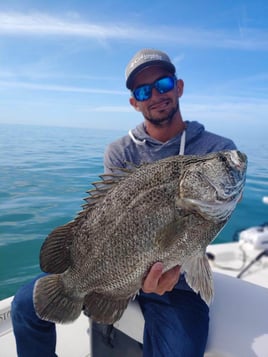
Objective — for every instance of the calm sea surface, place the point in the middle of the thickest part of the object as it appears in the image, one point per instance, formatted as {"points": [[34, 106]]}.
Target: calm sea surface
{"points": [[44, 174]]}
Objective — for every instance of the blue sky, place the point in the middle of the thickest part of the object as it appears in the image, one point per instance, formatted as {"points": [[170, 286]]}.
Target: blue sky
{"points": [[62, 62]]}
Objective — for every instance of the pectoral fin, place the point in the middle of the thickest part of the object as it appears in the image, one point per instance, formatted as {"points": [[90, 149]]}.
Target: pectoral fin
{"points": [[199, 276]]}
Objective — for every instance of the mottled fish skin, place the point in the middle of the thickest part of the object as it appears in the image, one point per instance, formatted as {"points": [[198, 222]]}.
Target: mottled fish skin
{"points": [[167, 211]]}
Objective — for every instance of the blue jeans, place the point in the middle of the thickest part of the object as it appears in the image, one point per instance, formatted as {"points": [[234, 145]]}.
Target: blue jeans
{"points": [[34, 337], [176, 325]]}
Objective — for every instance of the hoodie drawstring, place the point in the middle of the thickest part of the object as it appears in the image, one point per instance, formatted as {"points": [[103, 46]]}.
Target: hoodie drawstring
{"points": [[182, 143], [141, 142], [136, 141]]}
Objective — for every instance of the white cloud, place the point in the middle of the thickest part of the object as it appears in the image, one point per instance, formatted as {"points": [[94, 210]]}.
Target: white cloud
{"points": [[111, 109], [58, 88], [38, 24], [43, 24], [225, 109]]}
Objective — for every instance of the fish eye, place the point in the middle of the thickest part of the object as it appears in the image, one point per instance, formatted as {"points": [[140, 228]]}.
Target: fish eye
{"points": [[222, 158]]}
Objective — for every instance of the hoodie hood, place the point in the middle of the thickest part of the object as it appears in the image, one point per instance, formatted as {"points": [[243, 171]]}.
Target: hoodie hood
{"points": [[140, 137]]}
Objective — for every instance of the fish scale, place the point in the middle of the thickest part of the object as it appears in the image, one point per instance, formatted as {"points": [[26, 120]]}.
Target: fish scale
{"points": [[167, 211]]}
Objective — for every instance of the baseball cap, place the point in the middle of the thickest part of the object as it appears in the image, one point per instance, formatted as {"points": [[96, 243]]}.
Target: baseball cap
{"points": [[145, 58]]}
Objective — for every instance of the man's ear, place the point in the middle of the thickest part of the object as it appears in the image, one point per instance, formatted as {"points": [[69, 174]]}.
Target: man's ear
{"points": [[180, 86], [134, 103]]}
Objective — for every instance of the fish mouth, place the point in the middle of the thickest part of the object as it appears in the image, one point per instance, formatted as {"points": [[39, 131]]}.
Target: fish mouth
{"points": [[225, 203], [221, 207], [218, 210], [231, 192]]}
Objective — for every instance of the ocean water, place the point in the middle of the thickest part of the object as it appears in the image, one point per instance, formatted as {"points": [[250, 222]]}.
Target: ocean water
{"points": [[45, 173]]}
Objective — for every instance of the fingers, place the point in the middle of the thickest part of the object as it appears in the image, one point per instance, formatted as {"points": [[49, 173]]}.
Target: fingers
{"points": [[151, 281], [159, 282], [168, 280]]}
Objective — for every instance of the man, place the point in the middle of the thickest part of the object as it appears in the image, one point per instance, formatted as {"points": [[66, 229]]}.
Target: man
{"points": [[176, 318]]}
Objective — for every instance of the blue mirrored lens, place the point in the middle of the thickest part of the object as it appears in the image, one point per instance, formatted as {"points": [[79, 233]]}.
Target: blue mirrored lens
{"points": [[143, 92], [162, 85]]}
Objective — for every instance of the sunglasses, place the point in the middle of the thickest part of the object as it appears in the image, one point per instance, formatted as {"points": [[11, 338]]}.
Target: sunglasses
{"points": [[162, 85]]}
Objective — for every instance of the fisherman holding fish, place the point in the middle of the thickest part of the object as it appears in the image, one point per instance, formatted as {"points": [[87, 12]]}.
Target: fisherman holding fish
{"points": [[176, 317]]}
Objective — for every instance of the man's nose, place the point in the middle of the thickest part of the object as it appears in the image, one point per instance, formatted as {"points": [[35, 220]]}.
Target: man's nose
{"points": [[155, 92]]}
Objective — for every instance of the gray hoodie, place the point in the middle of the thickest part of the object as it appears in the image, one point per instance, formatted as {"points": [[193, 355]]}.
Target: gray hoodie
{"points": [[138, 147]]}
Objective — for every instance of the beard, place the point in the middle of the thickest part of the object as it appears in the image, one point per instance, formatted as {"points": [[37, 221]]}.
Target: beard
{"points": [[165, 120]]}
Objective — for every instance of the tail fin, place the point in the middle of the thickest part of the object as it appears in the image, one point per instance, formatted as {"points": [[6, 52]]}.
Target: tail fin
{"points": [[52, 303]]}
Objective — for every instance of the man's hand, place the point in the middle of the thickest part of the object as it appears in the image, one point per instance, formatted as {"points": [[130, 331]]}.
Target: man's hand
{"points": [[158, 282]]}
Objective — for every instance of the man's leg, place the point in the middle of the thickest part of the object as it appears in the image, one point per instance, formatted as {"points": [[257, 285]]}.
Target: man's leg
{"points": [[107, 341], [34, 337], [176, 324]]}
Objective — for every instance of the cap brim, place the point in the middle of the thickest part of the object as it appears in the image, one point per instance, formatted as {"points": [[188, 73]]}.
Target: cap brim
{"points": [[168, 66]]}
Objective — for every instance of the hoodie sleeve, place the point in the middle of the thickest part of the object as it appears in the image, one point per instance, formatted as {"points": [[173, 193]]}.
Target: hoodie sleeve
{"points": [[219, 143], [207, 142], [111, 159], [120, 153], [116, 155]]}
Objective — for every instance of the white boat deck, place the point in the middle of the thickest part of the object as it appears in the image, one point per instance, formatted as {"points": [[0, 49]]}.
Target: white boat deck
{"points": [[72, 339], [231, 258]]}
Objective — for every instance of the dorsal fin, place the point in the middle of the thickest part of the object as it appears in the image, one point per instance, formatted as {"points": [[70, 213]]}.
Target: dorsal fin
{"points": [[55, 251], [107, 183]]}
